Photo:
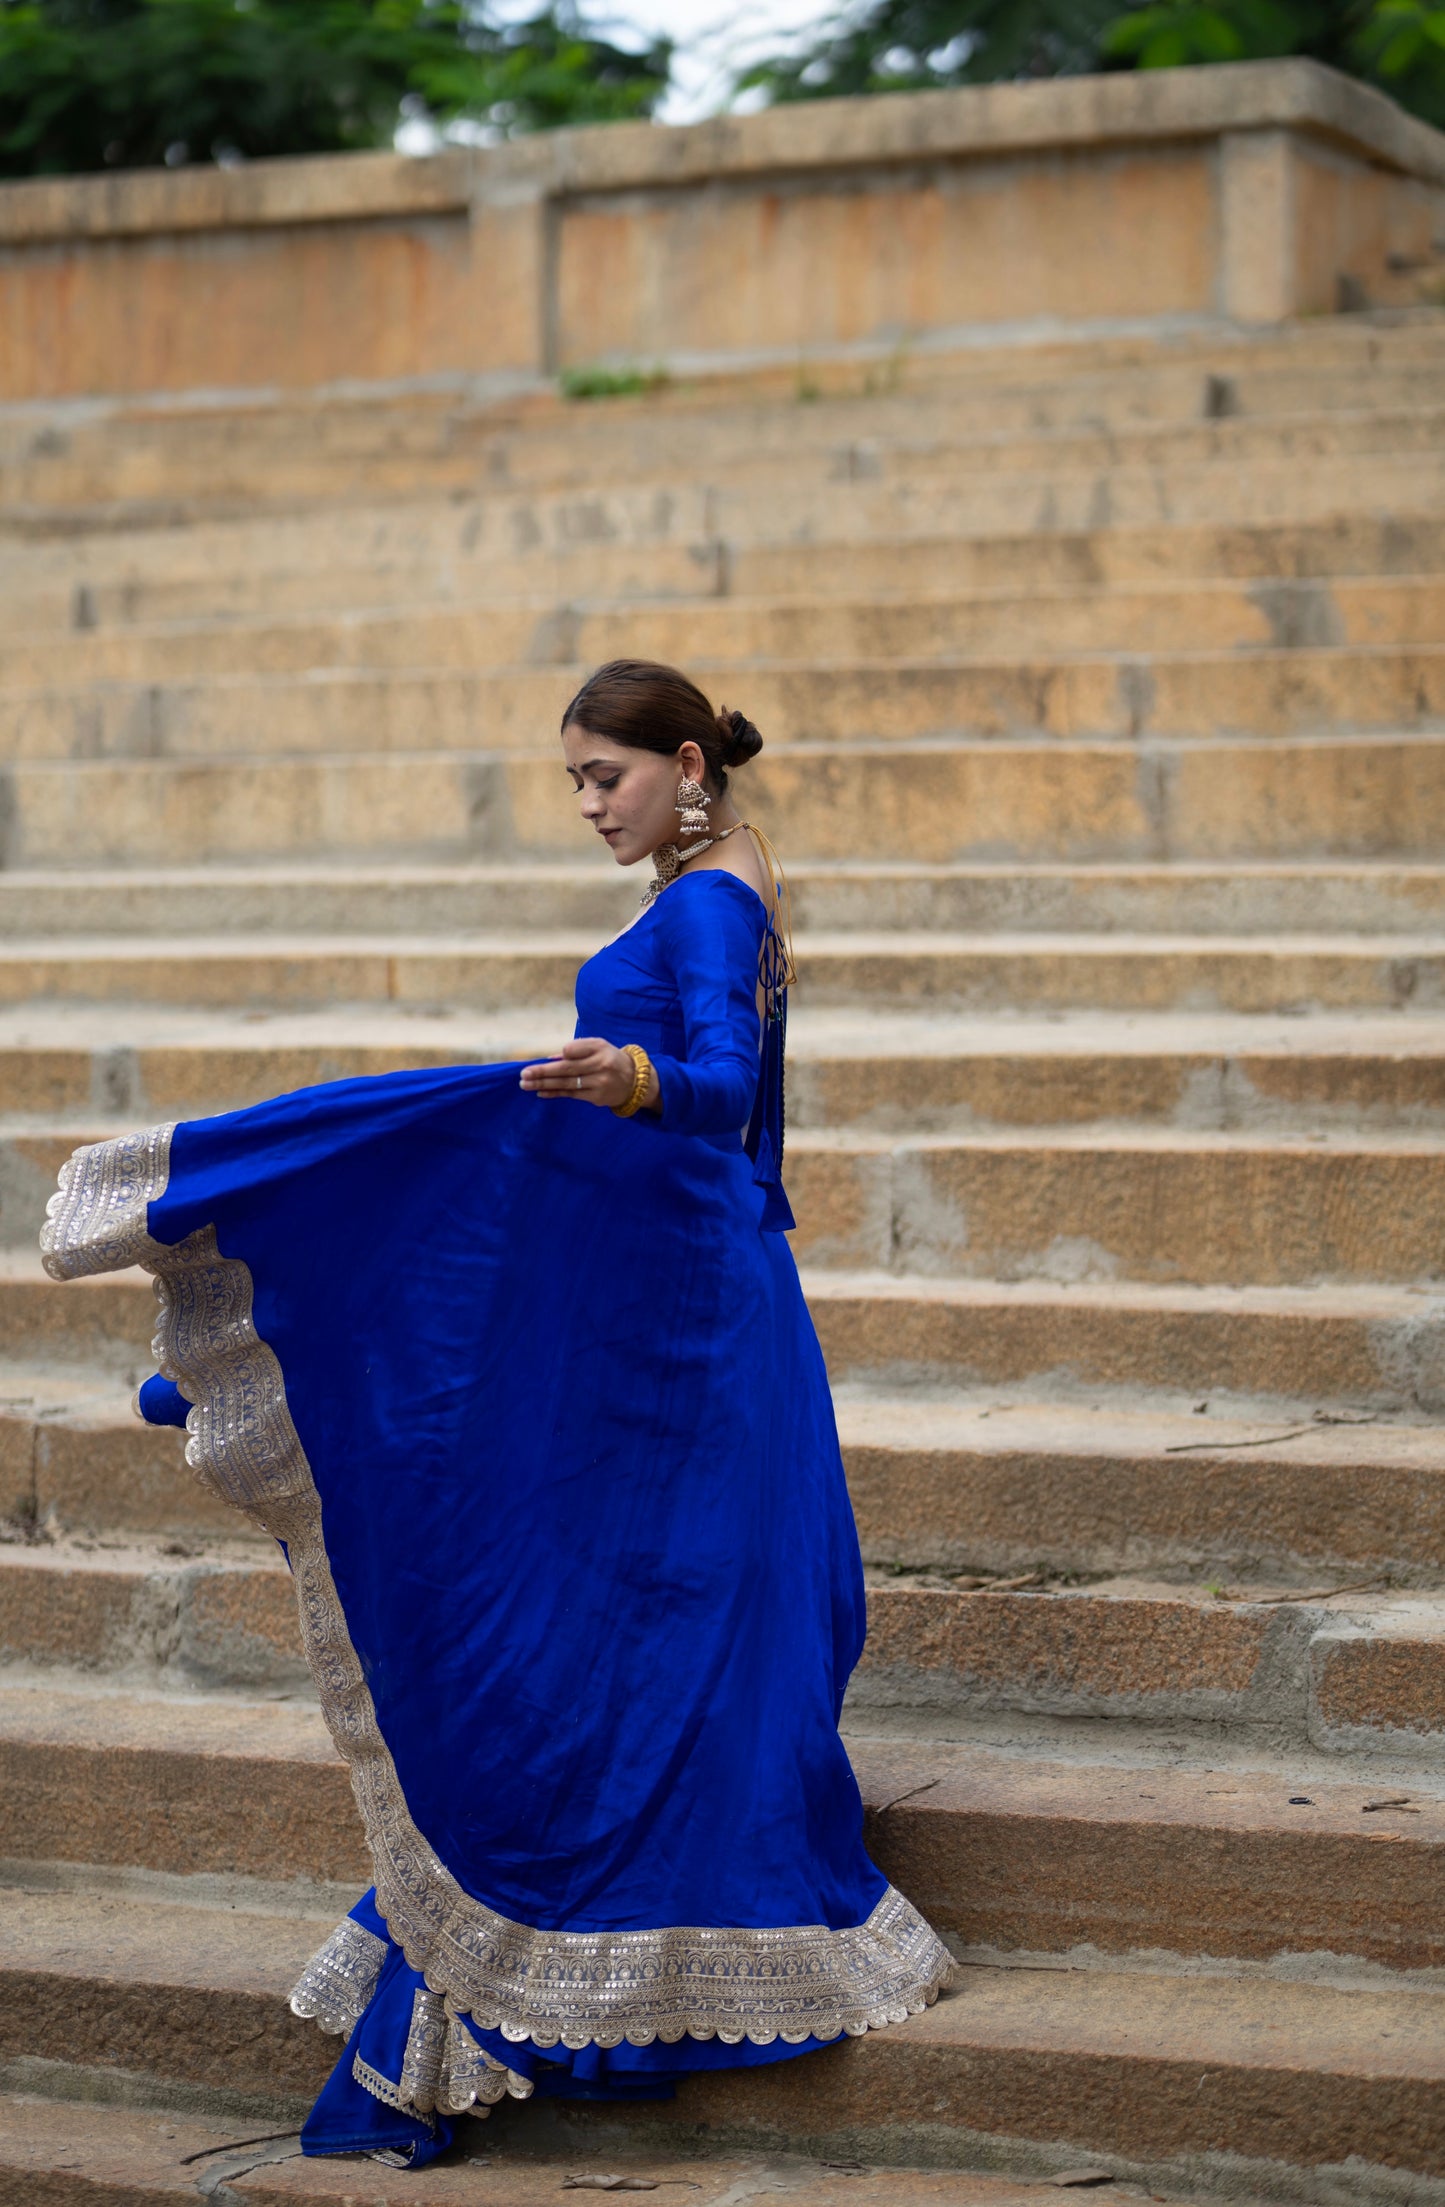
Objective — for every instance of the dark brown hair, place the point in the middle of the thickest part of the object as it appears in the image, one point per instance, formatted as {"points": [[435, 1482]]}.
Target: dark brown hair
{"points": [[649, 707]]}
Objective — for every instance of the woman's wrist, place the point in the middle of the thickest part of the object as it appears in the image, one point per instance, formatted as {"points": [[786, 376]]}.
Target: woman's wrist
{"points": [[644, 1092]]}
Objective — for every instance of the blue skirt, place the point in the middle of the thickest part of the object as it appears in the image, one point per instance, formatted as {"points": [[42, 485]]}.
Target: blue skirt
{"points": [[531, 1397]]}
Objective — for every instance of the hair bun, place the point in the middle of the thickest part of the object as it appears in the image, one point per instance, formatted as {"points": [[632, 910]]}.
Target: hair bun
{"points": [[740, 739]]}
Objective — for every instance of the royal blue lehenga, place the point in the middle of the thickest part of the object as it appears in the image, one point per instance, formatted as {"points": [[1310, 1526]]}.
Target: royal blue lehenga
{"points": [[532, 1399]]}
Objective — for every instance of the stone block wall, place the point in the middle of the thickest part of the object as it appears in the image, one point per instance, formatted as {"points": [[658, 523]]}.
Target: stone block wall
{"points": [[1249, 193]]}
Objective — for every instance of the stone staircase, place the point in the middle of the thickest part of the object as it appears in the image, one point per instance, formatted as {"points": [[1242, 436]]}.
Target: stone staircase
{"points": [[1104, 691]]}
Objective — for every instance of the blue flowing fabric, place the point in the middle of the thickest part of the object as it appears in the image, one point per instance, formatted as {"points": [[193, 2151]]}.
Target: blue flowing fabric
{"points": [[579, 1486]]}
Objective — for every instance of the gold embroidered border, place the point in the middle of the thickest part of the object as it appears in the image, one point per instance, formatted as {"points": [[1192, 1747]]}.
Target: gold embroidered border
{"points": [[570, 1988]]}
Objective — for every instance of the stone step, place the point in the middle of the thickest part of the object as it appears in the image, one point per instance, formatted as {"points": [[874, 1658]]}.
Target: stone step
{"points": [[1396, 612], [924, 972], [872, 1065], [210, 462], [92, 1467], [225, 1615], [965, 1486], [1280, 1352], [1164, 1205], [423, 711], [896, 1069], [1154, 371], [985, 1428], [1158, 2075], [382, 560], [1004, 1853], [592, 897], [1246, 1658], [1257, 1661], [1041, 800], [900, 448], [113, 450], [1155, 1440], [785, 507], [72, 2154], [1343, 1352], [1143, 1204]]}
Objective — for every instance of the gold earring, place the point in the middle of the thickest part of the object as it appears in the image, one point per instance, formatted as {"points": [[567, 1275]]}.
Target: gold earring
{"points": [[691, 798]]}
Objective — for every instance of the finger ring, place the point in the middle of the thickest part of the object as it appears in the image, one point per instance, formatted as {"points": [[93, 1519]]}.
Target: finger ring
{"points": [[579, 1080]]}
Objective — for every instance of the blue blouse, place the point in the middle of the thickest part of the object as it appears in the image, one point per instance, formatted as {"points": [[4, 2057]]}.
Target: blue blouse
{"points": [[683, 981]]}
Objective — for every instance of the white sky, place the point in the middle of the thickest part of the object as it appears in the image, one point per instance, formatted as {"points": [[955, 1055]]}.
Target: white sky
{"points": [[712, 39]]}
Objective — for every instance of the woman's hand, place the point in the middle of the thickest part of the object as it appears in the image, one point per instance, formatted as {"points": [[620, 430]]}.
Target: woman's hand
{"points": [[589, 1071]]}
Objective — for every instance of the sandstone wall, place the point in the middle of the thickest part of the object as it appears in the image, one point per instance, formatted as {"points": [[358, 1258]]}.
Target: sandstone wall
{"points": [[1252, 193]]}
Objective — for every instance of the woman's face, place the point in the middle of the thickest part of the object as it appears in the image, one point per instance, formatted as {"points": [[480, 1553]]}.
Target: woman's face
{"points": [[629, 797]]}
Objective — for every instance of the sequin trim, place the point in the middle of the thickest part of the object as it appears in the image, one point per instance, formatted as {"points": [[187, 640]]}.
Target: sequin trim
{"points": [[443, 2069], [336, 1986], [572, 1989]]}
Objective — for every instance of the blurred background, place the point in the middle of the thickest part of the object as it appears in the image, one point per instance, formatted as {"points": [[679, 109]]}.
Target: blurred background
{"points": [[95, 84]]}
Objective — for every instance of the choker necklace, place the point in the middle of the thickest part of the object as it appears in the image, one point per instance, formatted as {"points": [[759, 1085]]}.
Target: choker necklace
{"points": [[669, 860]]}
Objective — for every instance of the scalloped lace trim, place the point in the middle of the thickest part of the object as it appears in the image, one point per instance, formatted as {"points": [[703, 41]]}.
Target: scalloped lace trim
{"points": [[572, 1989], [443, 2069], [336, 1986]]}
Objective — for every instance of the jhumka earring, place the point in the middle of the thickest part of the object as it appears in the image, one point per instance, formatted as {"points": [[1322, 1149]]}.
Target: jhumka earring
{"points": [[691, 799]]}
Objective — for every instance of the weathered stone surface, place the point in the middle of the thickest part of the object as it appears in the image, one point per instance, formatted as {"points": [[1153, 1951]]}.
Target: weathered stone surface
{"points": [[1383, 1681], [1144, 1205], [1153, 2069], [1324, 1347], [233, 1789], [624, 243], [118, 2157], [1003, 1852], [965, 1487]]}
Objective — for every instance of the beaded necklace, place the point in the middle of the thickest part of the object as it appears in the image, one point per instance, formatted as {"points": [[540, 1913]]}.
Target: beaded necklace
{"points": [[669, 861]]}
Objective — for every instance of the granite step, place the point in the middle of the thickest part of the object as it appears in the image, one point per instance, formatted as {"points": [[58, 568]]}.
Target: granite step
{"points": [[1103, 696], [1373, 1350], [1397, 611], [169, 1612], [877, 1063], [1166, 1205], [1277, 1863], [1153, 2074], [1370, 1348], [927, 972], [143, 2153], [1144, 2073], [801, 502], [378, 560], [589, 895], [294, 445], [1152, 471], [1141, 1425], [1360, 1673], [1037, 800], [1219, 1499], [1363, 1669], [1146, 1204]]}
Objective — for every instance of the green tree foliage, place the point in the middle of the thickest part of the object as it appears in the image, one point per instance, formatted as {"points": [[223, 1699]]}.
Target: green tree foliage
{"points": [[907, 45], [912, 45], [92, 84]]}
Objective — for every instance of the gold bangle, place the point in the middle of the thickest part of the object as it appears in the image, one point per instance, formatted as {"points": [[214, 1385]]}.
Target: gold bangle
{"points": [[641, 1074]]}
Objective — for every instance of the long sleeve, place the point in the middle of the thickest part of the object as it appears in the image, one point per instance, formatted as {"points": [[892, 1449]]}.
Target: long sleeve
{"points": [[709, 938]]}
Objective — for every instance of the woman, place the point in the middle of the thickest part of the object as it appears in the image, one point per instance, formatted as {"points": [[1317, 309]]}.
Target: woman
{"points": [[533, 1403]]}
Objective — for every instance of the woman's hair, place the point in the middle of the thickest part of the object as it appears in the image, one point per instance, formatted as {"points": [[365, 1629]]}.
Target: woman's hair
{"points": [[654, 708]]}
